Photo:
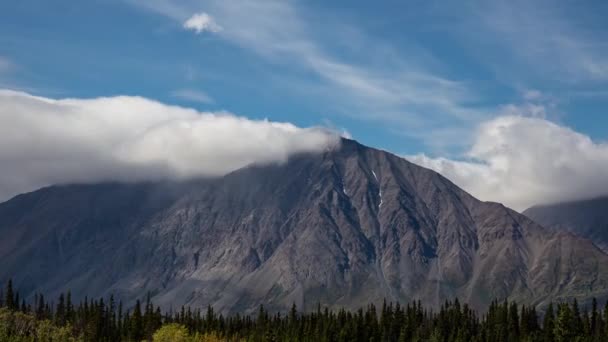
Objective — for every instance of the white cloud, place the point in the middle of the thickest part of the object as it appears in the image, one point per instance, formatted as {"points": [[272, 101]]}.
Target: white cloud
{"points": [[46, 141], [201, 22], [192, 95], [522, 161]]}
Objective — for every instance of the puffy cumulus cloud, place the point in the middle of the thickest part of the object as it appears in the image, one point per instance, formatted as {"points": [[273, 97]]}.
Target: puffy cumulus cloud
{"points": [[522, 161], [201, 22], [46, 141]]}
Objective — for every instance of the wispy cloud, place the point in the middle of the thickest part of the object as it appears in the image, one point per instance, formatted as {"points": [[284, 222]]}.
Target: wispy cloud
{"points": [[544, 37], [192, 95], [408, 91], [532, 94], [401, 90], [9, 72], [6, 65]]}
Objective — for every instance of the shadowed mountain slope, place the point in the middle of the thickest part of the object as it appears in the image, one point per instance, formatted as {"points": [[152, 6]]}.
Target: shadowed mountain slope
{"points": [[587, 218]]}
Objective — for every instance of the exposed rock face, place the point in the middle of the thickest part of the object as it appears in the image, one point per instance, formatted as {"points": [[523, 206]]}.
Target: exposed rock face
{"points": [[588, 218], [343, 228]]}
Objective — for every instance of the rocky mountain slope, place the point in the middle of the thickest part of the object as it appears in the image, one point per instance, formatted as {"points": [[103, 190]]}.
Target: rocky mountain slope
{"points": [[343, 228], [587, 218]]}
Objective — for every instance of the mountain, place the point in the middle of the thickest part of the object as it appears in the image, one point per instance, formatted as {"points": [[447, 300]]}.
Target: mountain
{"points": [[586, 218], [344, 227]]}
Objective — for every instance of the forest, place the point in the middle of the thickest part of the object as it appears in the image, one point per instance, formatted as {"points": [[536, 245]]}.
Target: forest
{"points": [[108, 320]]}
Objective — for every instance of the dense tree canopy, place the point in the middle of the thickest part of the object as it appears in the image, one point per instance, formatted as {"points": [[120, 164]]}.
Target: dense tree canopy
{"points": [[105, 320]]}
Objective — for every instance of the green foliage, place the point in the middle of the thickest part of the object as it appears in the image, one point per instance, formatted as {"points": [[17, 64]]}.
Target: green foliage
{"points": [[46, 331], [19, 326], [172, 332]]}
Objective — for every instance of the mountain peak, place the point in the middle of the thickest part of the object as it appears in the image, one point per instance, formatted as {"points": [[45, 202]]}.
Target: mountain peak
{"points": [[343, 227]]}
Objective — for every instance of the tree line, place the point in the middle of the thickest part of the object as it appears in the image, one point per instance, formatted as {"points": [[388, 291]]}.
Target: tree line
{"points": [[107, 320]]}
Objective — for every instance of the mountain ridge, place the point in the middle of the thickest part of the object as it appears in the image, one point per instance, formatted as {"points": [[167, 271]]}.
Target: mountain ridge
{"points": [[344, 227], [586, 218]]}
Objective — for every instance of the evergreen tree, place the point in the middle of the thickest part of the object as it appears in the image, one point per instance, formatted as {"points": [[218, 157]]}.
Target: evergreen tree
{"points": [[101, 320], [60, 314], [594, 318], [564, 324], [15, 302], [10, 297], [513, 322], [69, 308], [136, 323], [577, 322], [606, 321], [549, 324]]}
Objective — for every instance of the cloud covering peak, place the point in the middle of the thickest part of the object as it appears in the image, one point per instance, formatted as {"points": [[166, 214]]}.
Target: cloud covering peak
{"points": [[46, 141], [522, 161]]}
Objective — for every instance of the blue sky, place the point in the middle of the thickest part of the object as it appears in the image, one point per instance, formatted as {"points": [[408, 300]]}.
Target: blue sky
{"points": [[469, 58], [407, 76]]}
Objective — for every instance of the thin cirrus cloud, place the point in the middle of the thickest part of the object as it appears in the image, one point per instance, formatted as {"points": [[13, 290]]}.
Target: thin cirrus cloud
{"points": [[401, 90], [524, 43], [192, 95], [46, 141], [542, 38], [6, 64], [523, 160], [201, 22]]}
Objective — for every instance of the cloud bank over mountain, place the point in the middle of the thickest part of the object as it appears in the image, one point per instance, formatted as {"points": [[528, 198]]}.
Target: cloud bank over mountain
{"points": [[525, 160], [46, 141], [518, 160]]}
